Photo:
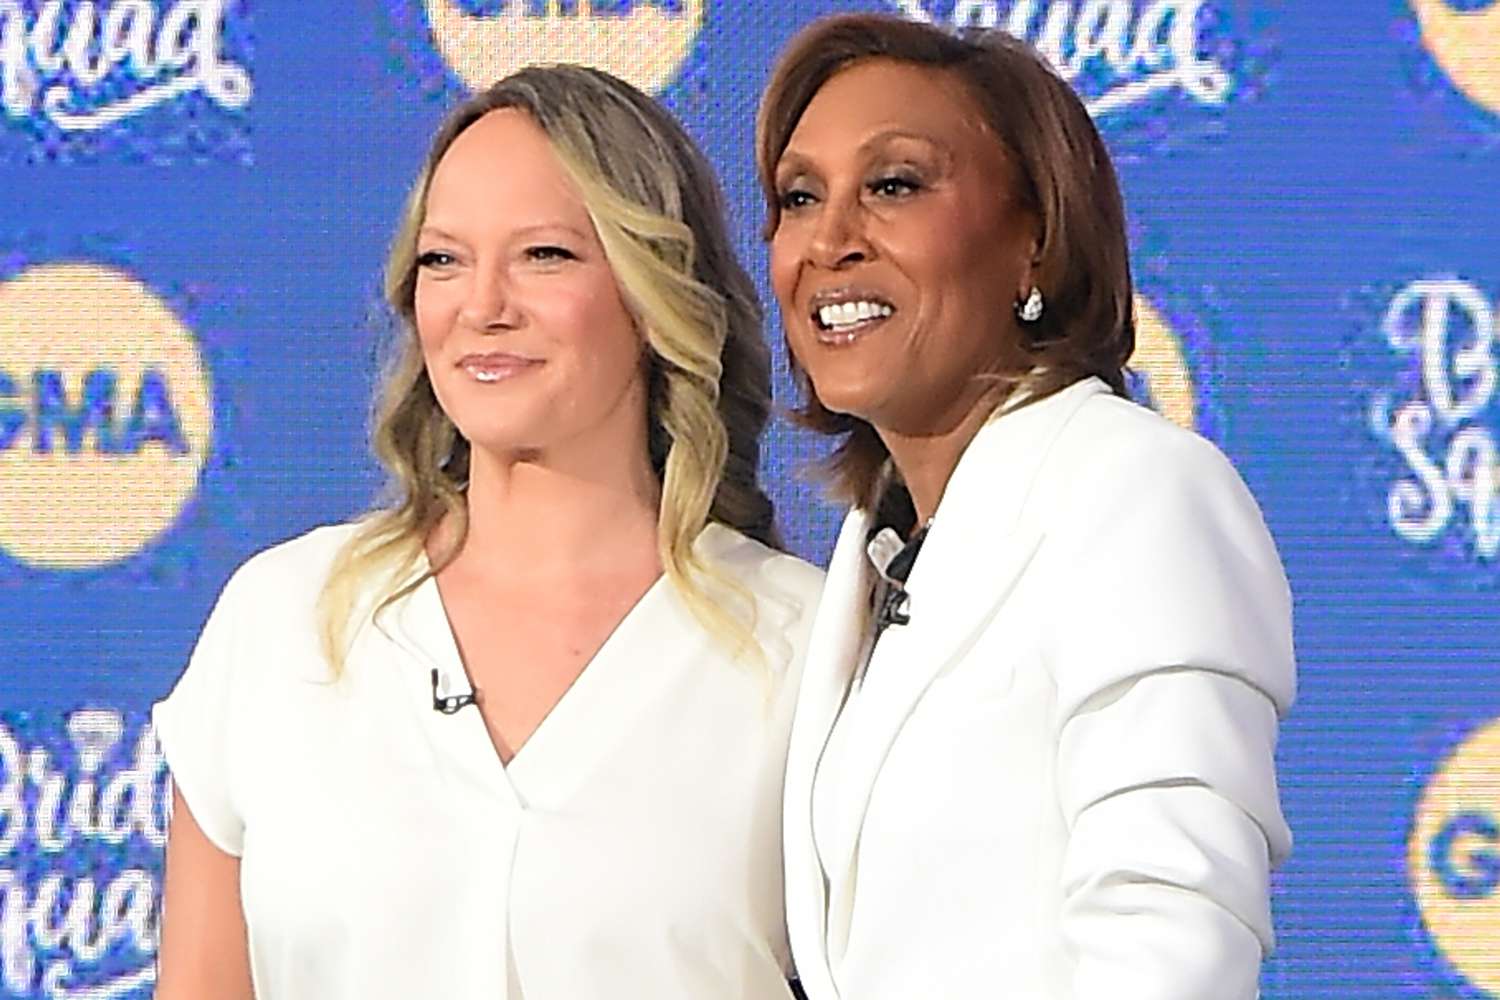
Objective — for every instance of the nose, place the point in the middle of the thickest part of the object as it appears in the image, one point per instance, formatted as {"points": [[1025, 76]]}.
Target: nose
{"points": [[488, 305], [839, 238]]}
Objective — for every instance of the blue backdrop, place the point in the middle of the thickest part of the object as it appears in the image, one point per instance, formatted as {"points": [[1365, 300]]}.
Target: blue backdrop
{"points": [[197, 199]]}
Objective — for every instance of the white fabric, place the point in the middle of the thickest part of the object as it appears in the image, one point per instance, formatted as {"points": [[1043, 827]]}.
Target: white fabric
{"points": [[833, 824], [1057, 782], [630, 849]]}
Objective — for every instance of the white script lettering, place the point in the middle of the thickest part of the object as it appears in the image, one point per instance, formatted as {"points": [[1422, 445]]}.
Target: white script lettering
{"points": [[46, 808], [1447, 327], [57, 68], [1159, 47]]}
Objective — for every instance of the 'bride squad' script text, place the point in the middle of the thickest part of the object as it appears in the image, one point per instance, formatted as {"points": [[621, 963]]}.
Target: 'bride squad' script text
{"points": [[1440, 420], [1145, 47], [82, 824], [86, 65]]}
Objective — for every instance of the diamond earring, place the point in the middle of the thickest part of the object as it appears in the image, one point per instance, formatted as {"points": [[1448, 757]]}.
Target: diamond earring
{"points": [[1031, 310]]}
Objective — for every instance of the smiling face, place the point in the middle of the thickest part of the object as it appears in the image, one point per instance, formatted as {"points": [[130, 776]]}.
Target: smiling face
{"points": [[526, 337], [900, 248]]}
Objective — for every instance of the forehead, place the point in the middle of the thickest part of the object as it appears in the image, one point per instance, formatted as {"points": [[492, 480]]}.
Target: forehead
{"points": [[502, 165], [876, 96]]}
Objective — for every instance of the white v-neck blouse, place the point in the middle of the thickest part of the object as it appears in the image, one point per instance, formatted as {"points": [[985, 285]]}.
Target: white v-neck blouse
{"points": [[630, 849]]}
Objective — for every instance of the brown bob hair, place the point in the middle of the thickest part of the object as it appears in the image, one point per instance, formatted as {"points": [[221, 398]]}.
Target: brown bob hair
{"points": [[1066, 182]]}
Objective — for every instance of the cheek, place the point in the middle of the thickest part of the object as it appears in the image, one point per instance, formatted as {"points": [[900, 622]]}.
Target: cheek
{"points": [[597, 326], [965, 267], [603, 317], [997, 241], [785, 269], [433, 314], [784, 261], [934, 246]]}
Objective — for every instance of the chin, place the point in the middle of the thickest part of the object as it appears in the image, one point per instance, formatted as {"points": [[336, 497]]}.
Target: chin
{"points": [[849, 400], [496, 439]]}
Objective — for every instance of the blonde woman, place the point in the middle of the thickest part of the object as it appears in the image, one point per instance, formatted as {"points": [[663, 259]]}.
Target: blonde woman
{"points": [[521, 732]]}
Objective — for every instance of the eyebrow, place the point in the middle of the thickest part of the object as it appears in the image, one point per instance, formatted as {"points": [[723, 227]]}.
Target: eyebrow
{"points": [[792, 157], [438, 231]]}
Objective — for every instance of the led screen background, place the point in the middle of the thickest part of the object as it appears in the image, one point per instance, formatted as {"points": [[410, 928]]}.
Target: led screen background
{"points": [[198, 195]]}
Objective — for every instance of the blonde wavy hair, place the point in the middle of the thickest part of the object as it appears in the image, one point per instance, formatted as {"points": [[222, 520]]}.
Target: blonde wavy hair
{"points": [[656, 205]]}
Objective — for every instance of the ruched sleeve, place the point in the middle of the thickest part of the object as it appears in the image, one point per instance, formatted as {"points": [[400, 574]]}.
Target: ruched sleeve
{"points": [[1169, 642]]}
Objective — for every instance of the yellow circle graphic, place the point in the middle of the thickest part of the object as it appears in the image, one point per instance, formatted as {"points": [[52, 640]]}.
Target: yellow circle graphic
{"points": [[105, 415], [1159, 356], [1453, 858], [1467, 45], [644, 47]]}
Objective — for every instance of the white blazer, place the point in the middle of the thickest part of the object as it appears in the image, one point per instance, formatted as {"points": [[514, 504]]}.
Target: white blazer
{"points": [[1059, 780]]}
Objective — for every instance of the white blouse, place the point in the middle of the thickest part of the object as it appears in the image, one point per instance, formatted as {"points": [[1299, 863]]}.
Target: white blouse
{"points": [[630, 848]]}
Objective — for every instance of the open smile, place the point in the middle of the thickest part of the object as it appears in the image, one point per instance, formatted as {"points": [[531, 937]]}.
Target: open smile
{"points": [[842, 316]]}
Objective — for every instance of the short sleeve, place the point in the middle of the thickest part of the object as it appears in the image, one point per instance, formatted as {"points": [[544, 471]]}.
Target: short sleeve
{"points": [[193, 726]]}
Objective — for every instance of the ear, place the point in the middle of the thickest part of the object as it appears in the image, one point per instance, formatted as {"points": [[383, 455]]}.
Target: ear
{"points": [[1027, 236], [1029, 269], [1034, 244]]}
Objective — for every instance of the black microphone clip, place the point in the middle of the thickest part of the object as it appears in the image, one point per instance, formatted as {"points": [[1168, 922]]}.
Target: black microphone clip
{"points": [[452, 703], [895, 607], [885, 550]]}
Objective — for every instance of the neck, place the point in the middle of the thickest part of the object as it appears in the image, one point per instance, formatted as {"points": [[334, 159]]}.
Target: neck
{"points": [[559, 518], [926, 460]]}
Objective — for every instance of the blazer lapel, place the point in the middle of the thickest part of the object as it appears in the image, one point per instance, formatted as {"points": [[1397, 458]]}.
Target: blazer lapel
{"points": [[832, 653], [981, 540]]}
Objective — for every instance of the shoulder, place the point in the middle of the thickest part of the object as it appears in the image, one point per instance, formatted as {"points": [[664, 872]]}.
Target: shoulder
{"points": [[1121, 478], [1154, 537], [766, 572], [1115, 456], [269, 603], [785, 592], [265, 627], [1120, 438], [290, 573], [298, 562]]}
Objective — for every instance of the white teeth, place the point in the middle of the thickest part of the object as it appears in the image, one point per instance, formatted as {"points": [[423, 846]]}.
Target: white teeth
{"points": [[849, 313]]}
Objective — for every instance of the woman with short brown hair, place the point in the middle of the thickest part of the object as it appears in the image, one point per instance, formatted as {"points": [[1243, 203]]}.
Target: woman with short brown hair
{"points": [[1033, 754], [1064, 183]]}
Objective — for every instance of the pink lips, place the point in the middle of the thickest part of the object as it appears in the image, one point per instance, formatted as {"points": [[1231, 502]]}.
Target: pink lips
{"points": [[496, 366]]}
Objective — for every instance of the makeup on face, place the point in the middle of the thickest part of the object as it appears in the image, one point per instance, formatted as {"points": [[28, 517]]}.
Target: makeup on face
{"points": [[897, 247], [526, 336]]}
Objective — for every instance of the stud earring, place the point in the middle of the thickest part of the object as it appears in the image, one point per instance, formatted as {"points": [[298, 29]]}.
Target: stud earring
{"points": [[1031, 310]]}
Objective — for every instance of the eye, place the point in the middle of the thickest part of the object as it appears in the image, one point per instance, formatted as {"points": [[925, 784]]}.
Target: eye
{"points": [[435, 258], [792, 199], [547, 253], [895, 186]]}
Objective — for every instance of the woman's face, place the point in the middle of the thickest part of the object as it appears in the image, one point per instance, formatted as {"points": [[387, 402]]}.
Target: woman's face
{"points": [[900, 251], [527, 340]]}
